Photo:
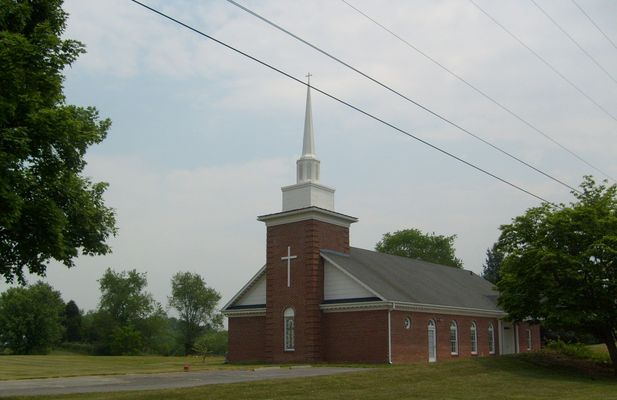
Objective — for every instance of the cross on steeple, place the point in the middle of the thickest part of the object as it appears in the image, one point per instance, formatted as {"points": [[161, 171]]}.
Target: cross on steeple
{"points": [[288, 259], [309, 78]]}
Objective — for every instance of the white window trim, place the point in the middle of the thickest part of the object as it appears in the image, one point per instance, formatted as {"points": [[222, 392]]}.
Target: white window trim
{"points": [[289, 314], [474, 338], [529, 344], [455, 325], [432, 327], [491, 335]]}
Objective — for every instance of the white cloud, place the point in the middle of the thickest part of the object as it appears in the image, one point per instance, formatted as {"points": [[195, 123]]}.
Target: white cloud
{"points": [[198, 213]]}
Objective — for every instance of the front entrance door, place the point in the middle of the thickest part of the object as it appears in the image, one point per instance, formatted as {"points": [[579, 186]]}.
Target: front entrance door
{"points": [[432, 342]]}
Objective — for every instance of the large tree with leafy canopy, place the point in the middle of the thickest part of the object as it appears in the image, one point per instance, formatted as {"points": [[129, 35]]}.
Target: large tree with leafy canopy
{"points": [[560, 264], [414, 243], [48, 209], [196, 304], [31, 318], [492, 265]]}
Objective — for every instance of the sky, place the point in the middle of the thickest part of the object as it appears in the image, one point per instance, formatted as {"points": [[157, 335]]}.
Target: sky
{"points": [[202, 138]]}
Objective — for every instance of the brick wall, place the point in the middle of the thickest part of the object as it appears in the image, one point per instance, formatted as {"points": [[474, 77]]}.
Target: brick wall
{"points": [[359, 336], [246, 339], [306, 238], [409, 345], [523, 338]]}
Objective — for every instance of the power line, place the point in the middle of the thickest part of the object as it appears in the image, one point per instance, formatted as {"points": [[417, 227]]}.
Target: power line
{"points": [[477, 90], [581, 48], [543, 60], [441, 117], [400, 130], [594, 24]]}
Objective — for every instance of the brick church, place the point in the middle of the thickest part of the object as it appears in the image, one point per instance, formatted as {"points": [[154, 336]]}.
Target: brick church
{"points": [[319, 299]]}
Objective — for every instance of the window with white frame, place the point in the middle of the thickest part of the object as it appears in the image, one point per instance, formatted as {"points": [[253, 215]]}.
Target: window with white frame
{"points": [[289, 323], [432, 341], [453, 338], [528, 339], [474, 338], [491, 339]]}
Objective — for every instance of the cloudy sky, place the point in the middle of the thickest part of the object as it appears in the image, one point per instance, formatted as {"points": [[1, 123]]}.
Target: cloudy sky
{"points": [[203, 138]]}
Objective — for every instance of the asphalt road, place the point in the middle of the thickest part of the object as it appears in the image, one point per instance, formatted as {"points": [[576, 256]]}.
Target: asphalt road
{"points": [[118, 383]]}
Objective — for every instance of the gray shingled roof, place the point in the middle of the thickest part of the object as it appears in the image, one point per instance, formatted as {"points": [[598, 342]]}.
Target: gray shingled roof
{"points": [[403, 279]]}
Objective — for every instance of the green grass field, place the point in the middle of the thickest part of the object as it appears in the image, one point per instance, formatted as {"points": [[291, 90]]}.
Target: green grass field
{"points": [[534, 376]]}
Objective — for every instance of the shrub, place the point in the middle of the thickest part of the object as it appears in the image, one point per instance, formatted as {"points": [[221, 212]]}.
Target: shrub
{"points": [[576, 350]]}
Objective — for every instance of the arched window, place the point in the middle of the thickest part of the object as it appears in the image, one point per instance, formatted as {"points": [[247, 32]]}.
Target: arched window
{"points": [[474, 338], [453, 338], [528, 339], [432, 342], [407, 323], [491, 339], [288, 317]]}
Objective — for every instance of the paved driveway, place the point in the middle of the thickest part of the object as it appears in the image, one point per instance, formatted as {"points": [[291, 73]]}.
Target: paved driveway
{"points": [[117, 383]]}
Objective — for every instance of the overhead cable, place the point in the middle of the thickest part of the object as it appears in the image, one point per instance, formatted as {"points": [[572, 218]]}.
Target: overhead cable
{"points": [[576, 43], [372, 116], [594, 24], [477, 90], [435, 114], [544, 61]]}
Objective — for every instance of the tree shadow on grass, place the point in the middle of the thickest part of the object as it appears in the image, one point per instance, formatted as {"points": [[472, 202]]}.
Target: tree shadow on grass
{"points": [[550, 365]]}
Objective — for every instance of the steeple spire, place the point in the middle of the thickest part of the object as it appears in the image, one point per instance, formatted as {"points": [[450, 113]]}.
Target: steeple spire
{"points": [[308, 145], [308, 165], [308, 191]]}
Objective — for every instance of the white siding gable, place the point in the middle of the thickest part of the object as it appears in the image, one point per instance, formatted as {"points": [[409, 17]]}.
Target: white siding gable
{"points": [[256, 294], [338, 285]]}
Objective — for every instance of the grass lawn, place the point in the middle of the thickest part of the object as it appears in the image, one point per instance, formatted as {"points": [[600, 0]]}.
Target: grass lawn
{"points": [[50, 366], [509, 377]]}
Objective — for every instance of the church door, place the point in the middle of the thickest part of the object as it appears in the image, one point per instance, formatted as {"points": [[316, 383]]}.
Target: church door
{"points": [[432, 342]]}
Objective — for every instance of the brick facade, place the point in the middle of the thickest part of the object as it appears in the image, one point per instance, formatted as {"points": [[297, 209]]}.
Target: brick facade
{"points": [[523, 344], [305, 238], [360, 336], [409, 345], [246, 339], [344, 336]]}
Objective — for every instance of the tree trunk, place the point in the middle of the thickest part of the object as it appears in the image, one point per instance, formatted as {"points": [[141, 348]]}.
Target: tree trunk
{"points": [[609, 340]]}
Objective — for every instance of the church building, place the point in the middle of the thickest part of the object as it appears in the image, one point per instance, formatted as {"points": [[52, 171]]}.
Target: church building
{"points": [[318, 299]]}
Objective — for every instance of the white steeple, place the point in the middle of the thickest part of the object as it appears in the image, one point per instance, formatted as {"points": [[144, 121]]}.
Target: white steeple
{"points": [[308, 165], [307, 191]]}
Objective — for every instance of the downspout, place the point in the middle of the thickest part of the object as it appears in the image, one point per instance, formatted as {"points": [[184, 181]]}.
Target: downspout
{"points": [[393, 306], [499, 335]]}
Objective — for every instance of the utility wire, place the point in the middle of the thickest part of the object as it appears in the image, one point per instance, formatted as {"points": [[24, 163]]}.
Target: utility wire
{"points": [[477, 90], [400, 130], [594, 24], [441, 117], [543, 60], [592, 58]]}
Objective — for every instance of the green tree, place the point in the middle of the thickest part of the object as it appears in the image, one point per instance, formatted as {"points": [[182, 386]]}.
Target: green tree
{"points": [[196, 304], [48, 210], [72, 322], [492, 265], [124, 296], [413, 243], [126, 320], [560, 264], [31, 318]]}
